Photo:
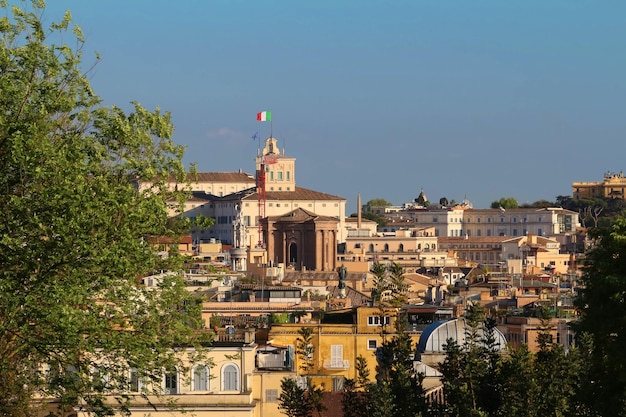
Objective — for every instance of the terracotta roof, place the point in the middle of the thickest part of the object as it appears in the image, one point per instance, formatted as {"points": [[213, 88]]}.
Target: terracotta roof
{"points": [[298, 194], [222, 177], [418, 278], [355, 220], [356, 298], [300, 215]]}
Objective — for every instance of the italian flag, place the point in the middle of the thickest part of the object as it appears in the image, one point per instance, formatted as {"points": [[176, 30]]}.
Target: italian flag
{"points": [[264, 116]]}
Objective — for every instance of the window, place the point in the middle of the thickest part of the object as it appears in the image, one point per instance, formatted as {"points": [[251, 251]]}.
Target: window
{"points": [[279, 175], [100, 378], [336, 356], [170, 382], [378, 320], [135, 382], [288, 175], [337, 383], [230, 378], [200, 378], [401, 248], [271, 395], [372, 344]]}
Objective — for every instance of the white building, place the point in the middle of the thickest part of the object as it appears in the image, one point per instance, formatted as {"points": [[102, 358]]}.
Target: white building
{"points": [[282, 195]]}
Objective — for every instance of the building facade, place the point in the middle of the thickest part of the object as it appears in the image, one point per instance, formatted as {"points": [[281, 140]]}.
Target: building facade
{"points": [[612, 186], [461, 222], [281, 196]]}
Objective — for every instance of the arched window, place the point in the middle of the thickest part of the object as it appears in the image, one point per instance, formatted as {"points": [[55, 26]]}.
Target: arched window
{"points": [[230, 378], [401, 248], [200, 378], [386, 249], [371, 247]]}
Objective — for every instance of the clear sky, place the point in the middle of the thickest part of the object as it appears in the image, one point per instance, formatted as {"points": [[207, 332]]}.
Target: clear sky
{"points": [[463, 99]]}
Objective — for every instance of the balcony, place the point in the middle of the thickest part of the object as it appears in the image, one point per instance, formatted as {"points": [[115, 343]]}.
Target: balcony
{"points": [[336, 364]]}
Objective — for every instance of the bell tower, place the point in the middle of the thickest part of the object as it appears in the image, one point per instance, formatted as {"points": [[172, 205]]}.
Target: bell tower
{"points": [[280, 170]]}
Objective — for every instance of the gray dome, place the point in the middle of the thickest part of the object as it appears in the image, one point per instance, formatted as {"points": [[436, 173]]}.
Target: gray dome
{"points": [[435, 336]]}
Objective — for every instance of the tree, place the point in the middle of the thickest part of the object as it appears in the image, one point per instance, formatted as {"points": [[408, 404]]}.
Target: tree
{"points": [[293, 399], [305, 349], [375, 202], [300, 399], [74, 229], [505, 203], [537, 204], [602, 307], [399, 287], [470, 370], [516, 383], [356, 395]]}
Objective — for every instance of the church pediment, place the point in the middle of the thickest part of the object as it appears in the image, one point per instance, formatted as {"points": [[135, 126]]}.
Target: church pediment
{"points": [[298, 215]]}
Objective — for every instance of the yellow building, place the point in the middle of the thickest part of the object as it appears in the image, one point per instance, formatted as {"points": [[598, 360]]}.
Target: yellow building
{"points": [[612, 186], [339, 340], [219, 384]]}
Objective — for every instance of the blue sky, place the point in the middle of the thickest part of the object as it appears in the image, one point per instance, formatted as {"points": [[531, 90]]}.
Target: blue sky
{"points": [[463, 99]]}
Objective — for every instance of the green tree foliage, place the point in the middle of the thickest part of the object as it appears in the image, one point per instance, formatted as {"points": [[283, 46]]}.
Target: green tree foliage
{"points": [[74, 228], [470, 370], [505, 203], [375, 202], [380, 221], [537, 204], [601, 303], [395, 369], [295, 399], [305, 349], [516, 383], [398, 286], [390, 287], [356, 395]]}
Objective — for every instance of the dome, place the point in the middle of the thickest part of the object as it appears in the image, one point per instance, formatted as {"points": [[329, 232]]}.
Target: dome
{"points": [[435, 336]]}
